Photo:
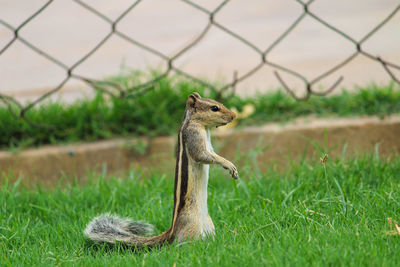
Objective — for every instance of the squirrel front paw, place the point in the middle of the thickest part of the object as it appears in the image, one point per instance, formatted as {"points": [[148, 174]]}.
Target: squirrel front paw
{"points": [[232, 169]]}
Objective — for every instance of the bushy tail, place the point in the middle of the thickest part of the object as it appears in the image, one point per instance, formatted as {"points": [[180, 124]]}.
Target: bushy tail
{"points": [[111, 229]]}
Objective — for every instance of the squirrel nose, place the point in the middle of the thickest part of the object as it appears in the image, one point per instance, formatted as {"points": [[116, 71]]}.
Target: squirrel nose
{"points": [[233, 115]]}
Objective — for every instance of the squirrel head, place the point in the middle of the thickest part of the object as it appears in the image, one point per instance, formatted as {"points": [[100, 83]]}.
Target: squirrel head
{"points": [[208, 112]]}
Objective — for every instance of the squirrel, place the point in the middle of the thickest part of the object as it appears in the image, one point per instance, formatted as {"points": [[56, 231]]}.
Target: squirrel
{"points": [[190, 218]]}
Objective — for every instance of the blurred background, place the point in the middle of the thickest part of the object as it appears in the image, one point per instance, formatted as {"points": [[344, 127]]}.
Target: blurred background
{"points": [[63, 46]]}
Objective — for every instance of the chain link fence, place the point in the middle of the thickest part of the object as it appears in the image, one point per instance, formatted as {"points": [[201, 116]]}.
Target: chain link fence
{"points": [[19, 110]]}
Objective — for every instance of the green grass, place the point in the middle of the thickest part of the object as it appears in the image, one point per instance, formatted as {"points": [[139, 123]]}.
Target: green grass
{"points": [[301, 217], [160, 111]]}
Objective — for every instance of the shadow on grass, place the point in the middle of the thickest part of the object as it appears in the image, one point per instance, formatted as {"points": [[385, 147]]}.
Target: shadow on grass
{"points": [[95, 248]]}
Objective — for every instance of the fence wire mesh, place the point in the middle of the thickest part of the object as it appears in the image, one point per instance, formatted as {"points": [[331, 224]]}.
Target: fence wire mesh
{"points": [[19, 109]]}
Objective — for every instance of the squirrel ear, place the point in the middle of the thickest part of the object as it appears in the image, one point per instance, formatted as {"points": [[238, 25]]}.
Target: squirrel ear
{"points": [[191, 102], [197, 95]]}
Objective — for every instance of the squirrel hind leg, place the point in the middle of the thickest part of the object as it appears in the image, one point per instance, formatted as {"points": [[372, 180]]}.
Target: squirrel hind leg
{"points": [[109, 228]]}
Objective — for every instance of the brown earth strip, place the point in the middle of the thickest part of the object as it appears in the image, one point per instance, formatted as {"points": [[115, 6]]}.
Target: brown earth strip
{"points": [[278, 144]]}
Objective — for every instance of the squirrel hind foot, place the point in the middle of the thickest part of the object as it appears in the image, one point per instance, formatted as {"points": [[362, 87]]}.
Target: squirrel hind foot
{"points": [[110, 228]]}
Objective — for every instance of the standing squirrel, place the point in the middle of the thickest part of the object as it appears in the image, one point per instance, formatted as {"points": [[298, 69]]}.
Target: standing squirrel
{"points": [[190, 218]]}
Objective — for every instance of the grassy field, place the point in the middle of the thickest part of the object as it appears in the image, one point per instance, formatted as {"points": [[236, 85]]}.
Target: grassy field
{"points": [[312, 214], [160, 111]]}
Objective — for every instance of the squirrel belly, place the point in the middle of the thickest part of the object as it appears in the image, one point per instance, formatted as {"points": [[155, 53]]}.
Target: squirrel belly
{"points": [[190, 218], [194, 221]]}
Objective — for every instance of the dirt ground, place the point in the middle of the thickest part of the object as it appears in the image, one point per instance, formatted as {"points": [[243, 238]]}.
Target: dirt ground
{"points": [[273, 145], [67, 31]]}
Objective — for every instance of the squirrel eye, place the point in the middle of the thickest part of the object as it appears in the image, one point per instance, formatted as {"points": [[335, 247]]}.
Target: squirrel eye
{"points": [[214, 108]]}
